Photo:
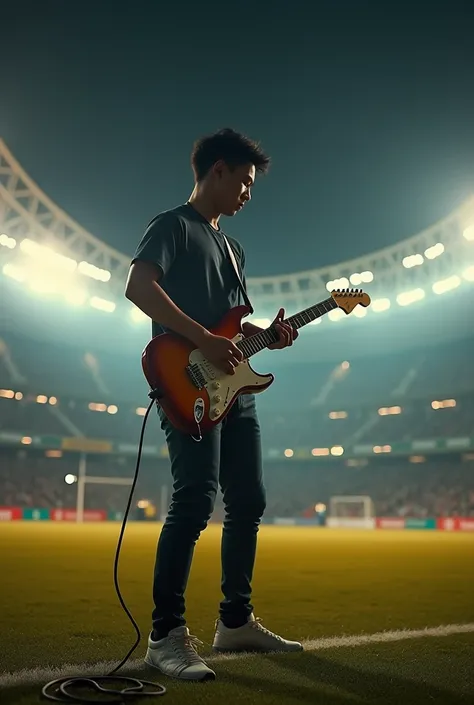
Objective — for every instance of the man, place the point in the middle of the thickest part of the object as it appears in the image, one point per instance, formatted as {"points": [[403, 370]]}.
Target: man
{"points": [[182, 277]]}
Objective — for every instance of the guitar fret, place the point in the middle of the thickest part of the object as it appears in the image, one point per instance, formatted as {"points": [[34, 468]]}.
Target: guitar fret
{"points": [[257, 342]]}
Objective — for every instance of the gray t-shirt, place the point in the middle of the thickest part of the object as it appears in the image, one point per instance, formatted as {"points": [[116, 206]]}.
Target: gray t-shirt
{"points": [[197, 272]]}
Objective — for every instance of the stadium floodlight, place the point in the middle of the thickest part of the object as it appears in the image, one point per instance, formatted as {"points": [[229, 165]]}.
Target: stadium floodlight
{"points": [[97, 406], [444, 404], [336, 314], [359, 312], [90, 270], [409, 297], [76, 297], [382, 449], [469, 233], [434, 251], [412, 261], [338, 414], [112, 409], [364, 277], [318, 452], [468, 274], [102, 304], [448, 284], [70, 479], [355, 279], [288, 453], [389, 410], [341, 283], [337, 451], [6, 241], [43, 285], [16, 273], [45, 256], [379, 305]]}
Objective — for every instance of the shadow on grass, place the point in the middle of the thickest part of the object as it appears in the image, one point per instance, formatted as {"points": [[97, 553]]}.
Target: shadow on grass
{"points": [[308, 679], [367, 685]]}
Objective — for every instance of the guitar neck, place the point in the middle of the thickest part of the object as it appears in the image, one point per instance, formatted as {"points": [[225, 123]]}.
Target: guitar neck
{"points": [[259, 341]]}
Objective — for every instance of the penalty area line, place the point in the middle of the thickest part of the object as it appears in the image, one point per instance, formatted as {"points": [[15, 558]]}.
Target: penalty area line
{"points": [[41, 675]]}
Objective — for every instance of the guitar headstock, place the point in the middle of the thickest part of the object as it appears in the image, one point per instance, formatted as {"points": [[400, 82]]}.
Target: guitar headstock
{"points": [[347, 299]]}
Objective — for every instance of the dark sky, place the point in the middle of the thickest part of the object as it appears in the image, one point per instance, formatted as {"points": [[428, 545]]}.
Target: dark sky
{"points": [[367, 109]]}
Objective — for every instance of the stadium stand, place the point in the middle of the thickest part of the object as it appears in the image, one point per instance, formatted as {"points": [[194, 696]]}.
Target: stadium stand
{"points": [[382, 406], [293, 411]]}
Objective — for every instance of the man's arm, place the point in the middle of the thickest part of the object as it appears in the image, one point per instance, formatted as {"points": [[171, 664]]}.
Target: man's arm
{"points": [[144, 291], [156, 253]]}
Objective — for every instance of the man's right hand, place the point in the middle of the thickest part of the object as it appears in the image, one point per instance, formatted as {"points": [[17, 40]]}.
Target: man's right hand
{"points": [[221, 352]]}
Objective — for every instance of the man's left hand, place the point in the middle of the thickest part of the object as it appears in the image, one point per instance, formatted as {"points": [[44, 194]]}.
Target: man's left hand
{"points": [[286, 334]]}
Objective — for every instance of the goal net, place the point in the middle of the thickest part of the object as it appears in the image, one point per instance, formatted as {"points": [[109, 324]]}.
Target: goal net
{"points": [[351, 512]]}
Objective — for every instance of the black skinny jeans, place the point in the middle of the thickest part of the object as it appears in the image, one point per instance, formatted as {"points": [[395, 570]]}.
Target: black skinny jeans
{"points": [[229, 456]]}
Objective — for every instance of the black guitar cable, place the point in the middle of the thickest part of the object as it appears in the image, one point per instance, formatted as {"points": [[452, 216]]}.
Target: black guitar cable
{"points": [[62, 689]]}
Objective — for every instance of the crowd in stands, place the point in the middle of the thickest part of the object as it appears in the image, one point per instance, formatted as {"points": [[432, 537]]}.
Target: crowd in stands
{"points": [[303, 428], [443, 370], [436, 487], [49, 393]]}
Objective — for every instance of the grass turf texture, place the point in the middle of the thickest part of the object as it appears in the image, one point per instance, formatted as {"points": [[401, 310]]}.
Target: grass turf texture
{"points": [[59, 606]]}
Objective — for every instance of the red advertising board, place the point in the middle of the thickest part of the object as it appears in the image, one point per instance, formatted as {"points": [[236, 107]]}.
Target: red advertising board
{"points": [[10, 513], [71, 515], [390, 523], [456, 524]]}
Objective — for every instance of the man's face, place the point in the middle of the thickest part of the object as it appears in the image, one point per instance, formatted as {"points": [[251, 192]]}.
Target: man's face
{"points": [[232, 186]]}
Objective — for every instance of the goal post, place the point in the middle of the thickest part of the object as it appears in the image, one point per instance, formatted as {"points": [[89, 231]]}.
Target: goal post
{"points": [[351, 511], [83, 478]]}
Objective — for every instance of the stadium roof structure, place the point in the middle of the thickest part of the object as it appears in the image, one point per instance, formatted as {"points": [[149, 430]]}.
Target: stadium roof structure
{"points": [[437, 259]]}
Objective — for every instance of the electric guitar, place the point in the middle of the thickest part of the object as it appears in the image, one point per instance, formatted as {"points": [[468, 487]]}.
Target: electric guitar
{"points": [[193, 393]]}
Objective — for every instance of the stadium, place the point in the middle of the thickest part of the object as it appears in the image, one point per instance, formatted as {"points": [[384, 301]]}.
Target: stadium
{"points": [[368, 440]]}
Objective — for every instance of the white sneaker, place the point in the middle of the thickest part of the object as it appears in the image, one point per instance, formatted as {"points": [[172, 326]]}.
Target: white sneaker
{"points": [[176, 656], [252, 636]]}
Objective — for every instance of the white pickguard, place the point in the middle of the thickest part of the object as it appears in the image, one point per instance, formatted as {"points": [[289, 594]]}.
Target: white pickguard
{"points": [[222, 387]]}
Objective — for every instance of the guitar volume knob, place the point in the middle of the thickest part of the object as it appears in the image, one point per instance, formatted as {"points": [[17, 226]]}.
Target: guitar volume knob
{"points": [[216, 385], [216, 413], [216, 398]]}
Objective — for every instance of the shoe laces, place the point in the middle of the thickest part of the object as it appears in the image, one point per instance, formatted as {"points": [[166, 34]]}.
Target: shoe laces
{"points": [[257, 624], [185, 647]]}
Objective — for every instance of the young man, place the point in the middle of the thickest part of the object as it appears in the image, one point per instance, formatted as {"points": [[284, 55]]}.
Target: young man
{"points": [[182, 277]]}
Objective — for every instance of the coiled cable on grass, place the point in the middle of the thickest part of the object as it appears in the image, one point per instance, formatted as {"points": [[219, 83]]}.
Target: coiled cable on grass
{"points": [[64, 690]]}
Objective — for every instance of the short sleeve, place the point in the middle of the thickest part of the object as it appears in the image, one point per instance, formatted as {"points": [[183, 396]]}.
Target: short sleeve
{"points": [[161, 242], [242, 260]]}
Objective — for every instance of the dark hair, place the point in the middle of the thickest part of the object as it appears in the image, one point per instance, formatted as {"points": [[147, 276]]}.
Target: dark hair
{"points": [[230, 146]]}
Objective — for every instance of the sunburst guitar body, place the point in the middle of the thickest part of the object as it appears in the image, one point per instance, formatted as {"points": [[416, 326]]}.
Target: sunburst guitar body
{"points": [[193, 393]]}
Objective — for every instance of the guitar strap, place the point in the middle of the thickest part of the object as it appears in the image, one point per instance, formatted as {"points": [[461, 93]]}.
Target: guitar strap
{"points": [[237, 273]]}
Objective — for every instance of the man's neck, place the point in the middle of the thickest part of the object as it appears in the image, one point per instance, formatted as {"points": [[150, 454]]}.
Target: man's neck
{"points": [[201, 202]]}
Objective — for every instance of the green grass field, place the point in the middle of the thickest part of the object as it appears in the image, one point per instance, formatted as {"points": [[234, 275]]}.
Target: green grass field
{"points": [[58, 606]]}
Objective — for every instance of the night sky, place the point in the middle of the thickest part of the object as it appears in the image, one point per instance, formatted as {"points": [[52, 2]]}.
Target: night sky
{"points": [[367, 109]]}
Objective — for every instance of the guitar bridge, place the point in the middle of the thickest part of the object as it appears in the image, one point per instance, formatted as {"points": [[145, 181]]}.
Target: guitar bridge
{"points": [[196, 376]]}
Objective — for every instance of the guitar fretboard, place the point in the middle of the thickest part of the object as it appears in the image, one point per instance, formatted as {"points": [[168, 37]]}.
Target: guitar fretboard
{"points": [[259, 341]]}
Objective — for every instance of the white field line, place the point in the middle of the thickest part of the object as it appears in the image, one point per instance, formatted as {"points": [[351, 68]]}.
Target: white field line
{"points": [[44, 675]]}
